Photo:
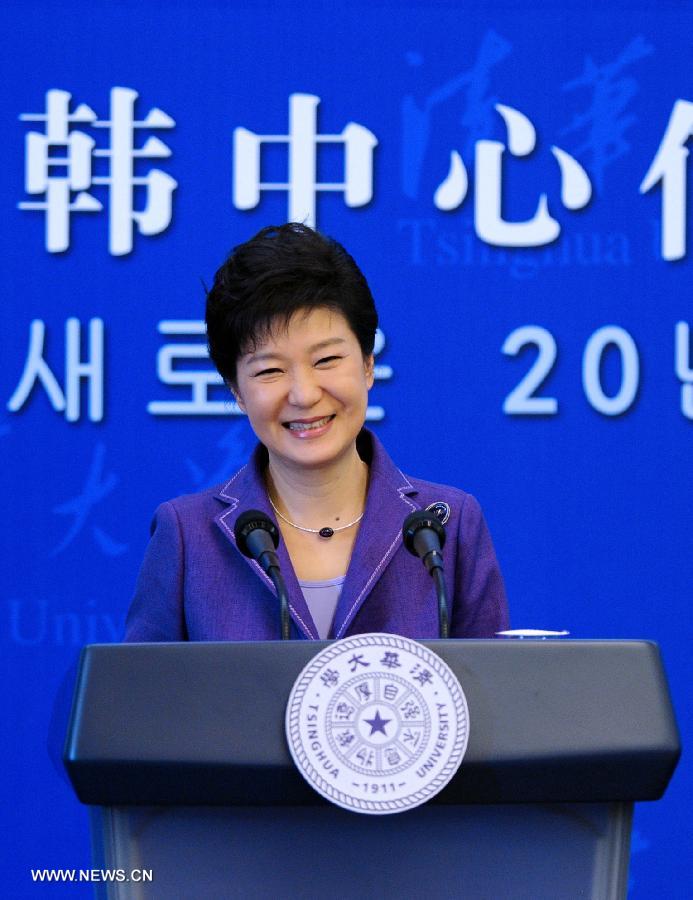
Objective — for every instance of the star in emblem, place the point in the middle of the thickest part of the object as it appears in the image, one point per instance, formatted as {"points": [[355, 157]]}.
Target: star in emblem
{"points": [[377, 724]]}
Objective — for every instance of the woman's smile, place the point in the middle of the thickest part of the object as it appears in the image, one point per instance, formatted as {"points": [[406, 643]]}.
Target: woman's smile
{"points": [[309, 428]]}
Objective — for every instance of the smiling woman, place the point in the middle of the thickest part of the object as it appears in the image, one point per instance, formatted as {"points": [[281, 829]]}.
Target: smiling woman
{"points": [[291, 325], [305, 390]]}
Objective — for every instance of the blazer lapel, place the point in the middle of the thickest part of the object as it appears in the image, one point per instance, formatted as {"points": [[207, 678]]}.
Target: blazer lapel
{"points": [[388, 502], [246, 490]]}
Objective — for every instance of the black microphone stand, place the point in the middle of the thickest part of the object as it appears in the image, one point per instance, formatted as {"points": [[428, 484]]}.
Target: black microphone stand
{"points": [[443, 621], [280, 586]]}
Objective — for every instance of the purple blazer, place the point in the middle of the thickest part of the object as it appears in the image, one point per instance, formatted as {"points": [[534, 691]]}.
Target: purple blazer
{"points": [[196, 585]]}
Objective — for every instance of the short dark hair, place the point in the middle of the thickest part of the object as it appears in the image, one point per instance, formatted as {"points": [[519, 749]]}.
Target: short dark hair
{"points": [[282, 270]]}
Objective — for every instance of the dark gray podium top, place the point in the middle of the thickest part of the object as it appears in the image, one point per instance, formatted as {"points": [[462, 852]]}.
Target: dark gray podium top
{"points": [[203, 723]]}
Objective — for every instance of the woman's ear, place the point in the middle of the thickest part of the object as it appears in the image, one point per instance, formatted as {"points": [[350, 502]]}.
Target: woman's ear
{"points": [[369, 364], [236, 396]]}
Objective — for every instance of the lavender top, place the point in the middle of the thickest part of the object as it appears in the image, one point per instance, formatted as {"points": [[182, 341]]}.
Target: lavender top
{"points": [[322, 598]]}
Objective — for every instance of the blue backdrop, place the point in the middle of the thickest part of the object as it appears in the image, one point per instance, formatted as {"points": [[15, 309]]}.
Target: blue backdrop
{"points": [[514, 181]]}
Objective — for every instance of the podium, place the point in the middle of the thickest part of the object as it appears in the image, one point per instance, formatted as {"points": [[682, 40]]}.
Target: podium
{"points": [[180, 751]]}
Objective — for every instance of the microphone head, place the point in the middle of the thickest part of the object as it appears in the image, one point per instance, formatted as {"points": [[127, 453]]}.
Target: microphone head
{"points": [[417, 520], [250, 521]]}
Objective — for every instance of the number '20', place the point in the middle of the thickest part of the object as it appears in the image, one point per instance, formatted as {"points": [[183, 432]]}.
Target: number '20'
{"points": [[523, 401]]}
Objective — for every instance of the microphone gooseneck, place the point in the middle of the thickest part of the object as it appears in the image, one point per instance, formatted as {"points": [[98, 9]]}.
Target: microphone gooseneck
{"points": [[257, 537], [424, 536]]}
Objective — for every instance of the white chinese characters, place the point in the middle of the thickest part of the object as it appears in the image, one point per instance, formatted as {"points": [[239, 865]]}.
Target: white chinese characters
{"points": [[60, 166], [77, 153], [669, 167], [302, 184], [489, 224]]}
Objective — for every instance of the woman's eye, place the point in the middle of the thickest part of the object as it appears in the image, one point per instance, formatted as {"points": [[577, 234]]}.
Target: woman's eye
{"points": [[266, 372], [327, 359]]}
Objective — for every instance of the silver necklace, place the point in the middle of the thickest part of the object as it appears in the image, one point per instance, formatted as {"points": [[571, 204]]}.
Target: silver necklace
{"points": [[325, 532]]}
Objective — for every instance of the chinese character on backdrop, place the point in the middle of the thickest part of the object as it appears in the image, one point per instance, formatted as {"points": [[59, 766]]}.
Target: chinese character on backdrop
{"points": [[670, 166], [303, 141], [489, 224], [61, 162]]}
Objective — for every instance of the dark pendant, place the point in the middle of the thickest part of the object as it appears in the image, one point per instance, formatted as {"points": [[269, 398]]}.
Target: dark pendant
{"points": [[326, 532]]}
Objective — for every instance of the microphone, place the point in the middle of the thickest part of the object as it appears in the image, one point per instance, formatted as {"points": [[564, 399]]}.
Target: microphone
{"points": [[257, 537], [424, 536]]}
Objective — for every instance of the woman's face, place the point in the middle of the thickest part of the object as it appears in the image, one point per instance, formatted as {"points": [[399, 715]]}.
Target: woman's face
{"points": [[305, 389]]}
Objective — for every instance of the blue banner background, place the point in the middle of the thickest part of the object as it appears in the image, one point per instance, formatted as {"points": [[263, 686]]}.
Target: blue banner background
{"points": [[591, 514]]}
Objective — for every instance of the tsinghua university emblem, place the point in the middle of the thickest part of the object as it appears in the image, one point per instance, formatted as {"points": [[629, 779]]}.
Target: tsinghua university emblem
{"points": [[377, 723]]}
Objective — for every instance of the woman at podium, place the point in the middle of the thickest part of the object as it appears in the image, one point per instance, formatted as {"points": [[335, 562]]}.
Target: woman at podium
{"points": [[291, 326]]}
